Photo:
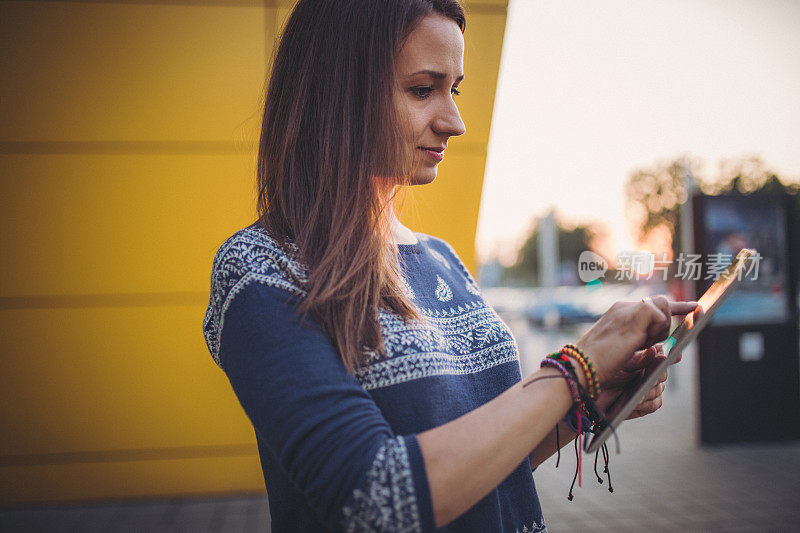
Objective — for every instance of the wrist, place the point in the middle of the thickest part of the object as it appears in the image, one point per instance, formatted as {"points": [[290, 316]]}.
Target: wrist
{"points": [[588, 348], [562, 368], [579, 374]]}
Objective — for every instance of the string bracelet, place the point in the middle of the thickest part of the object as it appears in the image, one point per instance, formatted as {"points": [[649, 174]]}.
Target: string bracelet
{"points": [[569, 376], [574, 351], [583, 405], [585, 408], [587, 366], [573, 389], [579, 409], [587, 404], [564, 359], [567, 362], [588, 369]]}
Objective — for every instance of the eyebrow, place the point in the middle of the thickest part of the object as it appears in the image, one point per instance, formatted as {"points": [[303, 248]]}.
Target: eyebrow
{"points": [[435, 74]]}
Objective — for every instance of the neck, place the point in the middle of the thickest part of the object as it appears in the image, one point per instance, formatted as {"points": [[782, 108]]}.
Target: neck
{"points": [[400, 233]]}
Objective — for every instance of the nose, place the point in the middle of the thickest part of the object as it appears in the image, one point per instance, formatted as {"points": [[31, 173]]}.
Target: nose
{"points": [[448, 120]]}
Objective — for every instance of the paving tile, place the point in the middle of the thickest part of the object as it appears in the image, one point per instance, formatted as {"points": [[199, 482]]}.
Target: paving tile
{"points": [[258, 519], [26, 520]]}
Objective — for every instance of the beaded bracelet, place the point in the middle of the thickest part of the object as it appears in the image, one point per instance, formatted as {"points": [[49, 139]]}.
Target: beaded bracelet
{"points": [[586, 364], [586, 400], [587, 406], [581, 356], [591, 382], [583, 407], [567, 362], [573, 390]]}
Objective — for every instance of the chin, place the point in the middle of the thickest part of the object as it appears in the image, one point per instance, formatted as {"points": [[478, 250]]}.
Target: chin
{"points": [[423, 178]]}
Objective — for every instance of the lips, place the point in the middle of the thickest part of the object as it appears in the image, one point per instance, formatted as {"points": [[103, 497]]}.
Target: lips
{"points": [[435, 153]]}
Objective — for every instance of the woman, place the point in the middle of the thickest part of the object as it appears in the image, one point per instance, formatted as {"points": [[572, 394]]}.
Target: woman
{"points": [[384, 392]]}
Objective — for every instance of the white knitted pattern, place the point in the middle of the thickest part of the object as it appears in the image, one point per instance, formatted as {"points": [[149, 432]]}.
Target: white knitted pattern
{"points": [[461, 339]]}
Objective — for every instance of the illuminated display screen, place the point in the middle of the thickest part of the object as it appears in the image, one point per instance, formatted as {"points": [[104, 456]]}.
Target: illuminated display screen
{"points": [[734, 222]]}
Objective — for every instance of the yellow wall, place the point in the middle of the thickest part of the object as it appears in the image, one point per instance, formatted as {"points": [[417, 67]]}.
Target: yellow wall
{"points": [[127, 154]]}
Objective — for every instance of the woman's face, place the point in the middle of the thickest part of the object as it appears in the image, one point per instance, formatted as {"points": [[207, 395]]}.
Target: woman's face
{"points": [[430, 67]]}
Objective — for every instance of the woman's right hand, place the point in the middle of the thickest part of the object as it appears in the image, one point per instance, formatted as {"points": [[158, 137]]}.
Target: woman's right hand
{"points": [[626, 328]]}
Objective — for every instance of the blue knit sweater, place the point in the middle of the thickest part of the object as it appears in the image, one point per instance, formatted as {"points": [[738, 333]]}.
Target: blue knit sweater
{"points": [[340, 452]]}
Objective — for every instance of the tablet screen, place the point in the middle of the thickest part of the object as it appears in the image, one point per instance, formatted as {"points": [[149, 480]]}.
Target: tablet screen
{"points": [[708, 303]]}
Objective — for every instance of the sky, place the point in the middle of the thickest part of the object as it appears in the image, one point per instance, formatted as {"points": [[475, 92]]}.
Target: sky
{"points": [[589, 91]]}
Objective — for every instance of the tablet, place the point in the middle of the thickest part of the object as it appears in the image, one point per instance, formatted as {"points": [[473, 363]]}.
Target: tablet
{"points": [[680, 337]]}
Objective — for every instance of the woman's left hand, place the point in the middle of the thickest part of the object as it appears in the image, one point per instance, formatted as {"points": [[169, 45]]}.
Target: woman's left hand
{"points": [[637, 364]]}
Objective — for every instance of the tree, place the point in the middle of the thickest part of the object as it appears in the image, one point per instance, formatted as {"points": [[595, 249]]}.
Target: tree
{"points": [[747, 175], [571, 242], [656, 193]]}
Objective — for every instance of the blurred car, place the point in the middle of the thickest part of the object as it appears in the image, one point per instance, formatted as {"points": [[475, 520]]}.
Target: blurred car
{"points": [[557, 314]]}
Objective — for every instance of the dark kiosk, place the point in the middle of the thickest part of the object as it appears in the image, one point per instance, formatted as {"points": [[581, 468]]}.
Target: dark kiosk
{"points": [[748, 356]]}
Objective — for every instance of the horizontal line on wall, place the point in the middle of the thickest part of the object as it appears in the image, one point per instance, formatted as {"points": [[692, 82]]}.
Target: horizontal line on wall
{"points": [[115, 456], [195, 3], [145, 299], [485, 9], [124, 147], [472, 7], [455, 147], [162, 147]]}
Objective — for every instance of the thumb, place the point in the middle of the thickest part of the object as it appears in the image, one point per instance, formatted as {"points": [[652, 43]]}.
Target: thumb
{"points": [[642, 358]]}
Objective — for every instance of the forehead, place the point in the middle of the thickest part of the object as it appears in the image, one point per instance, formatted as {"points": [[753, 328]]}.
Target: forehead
{"points": [[436, 44]]}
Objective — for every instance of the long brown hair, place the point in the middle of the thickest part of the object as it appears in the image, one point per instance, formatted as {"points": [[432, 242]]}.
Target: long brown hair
{"points": [[331, 151]]}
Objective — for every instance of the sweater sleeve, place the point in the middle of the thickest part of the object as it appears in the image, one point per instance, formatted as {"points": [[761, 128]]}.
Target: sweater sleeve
{"points": [[326, 431]]}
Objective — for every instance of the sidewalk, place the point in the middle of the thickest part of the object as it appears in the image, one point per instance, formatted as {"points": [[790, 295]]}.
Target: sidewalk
{"points": [[249, 514], [663, 480]]}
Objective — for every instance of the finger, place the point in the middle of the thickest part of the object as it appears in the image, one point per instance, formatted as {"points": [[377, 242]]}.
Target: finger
{"points": [[640, 359], [656, 311], [649, 406], [651, 395], [681, 308], [656, 404], [664, 376], [662, 304], [655, 392], [657, 360], [645, 408], [661, 355]]}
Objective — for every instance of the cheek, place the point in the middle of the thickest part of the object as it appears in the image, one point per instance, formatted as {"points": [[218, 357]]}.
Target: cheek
{"points": [[414, 115], [418, 121]]}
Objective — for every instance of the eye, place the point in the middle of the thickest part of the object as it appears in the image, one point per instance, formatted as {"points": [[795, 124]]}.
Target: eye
{"points": [[422, 92]]}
